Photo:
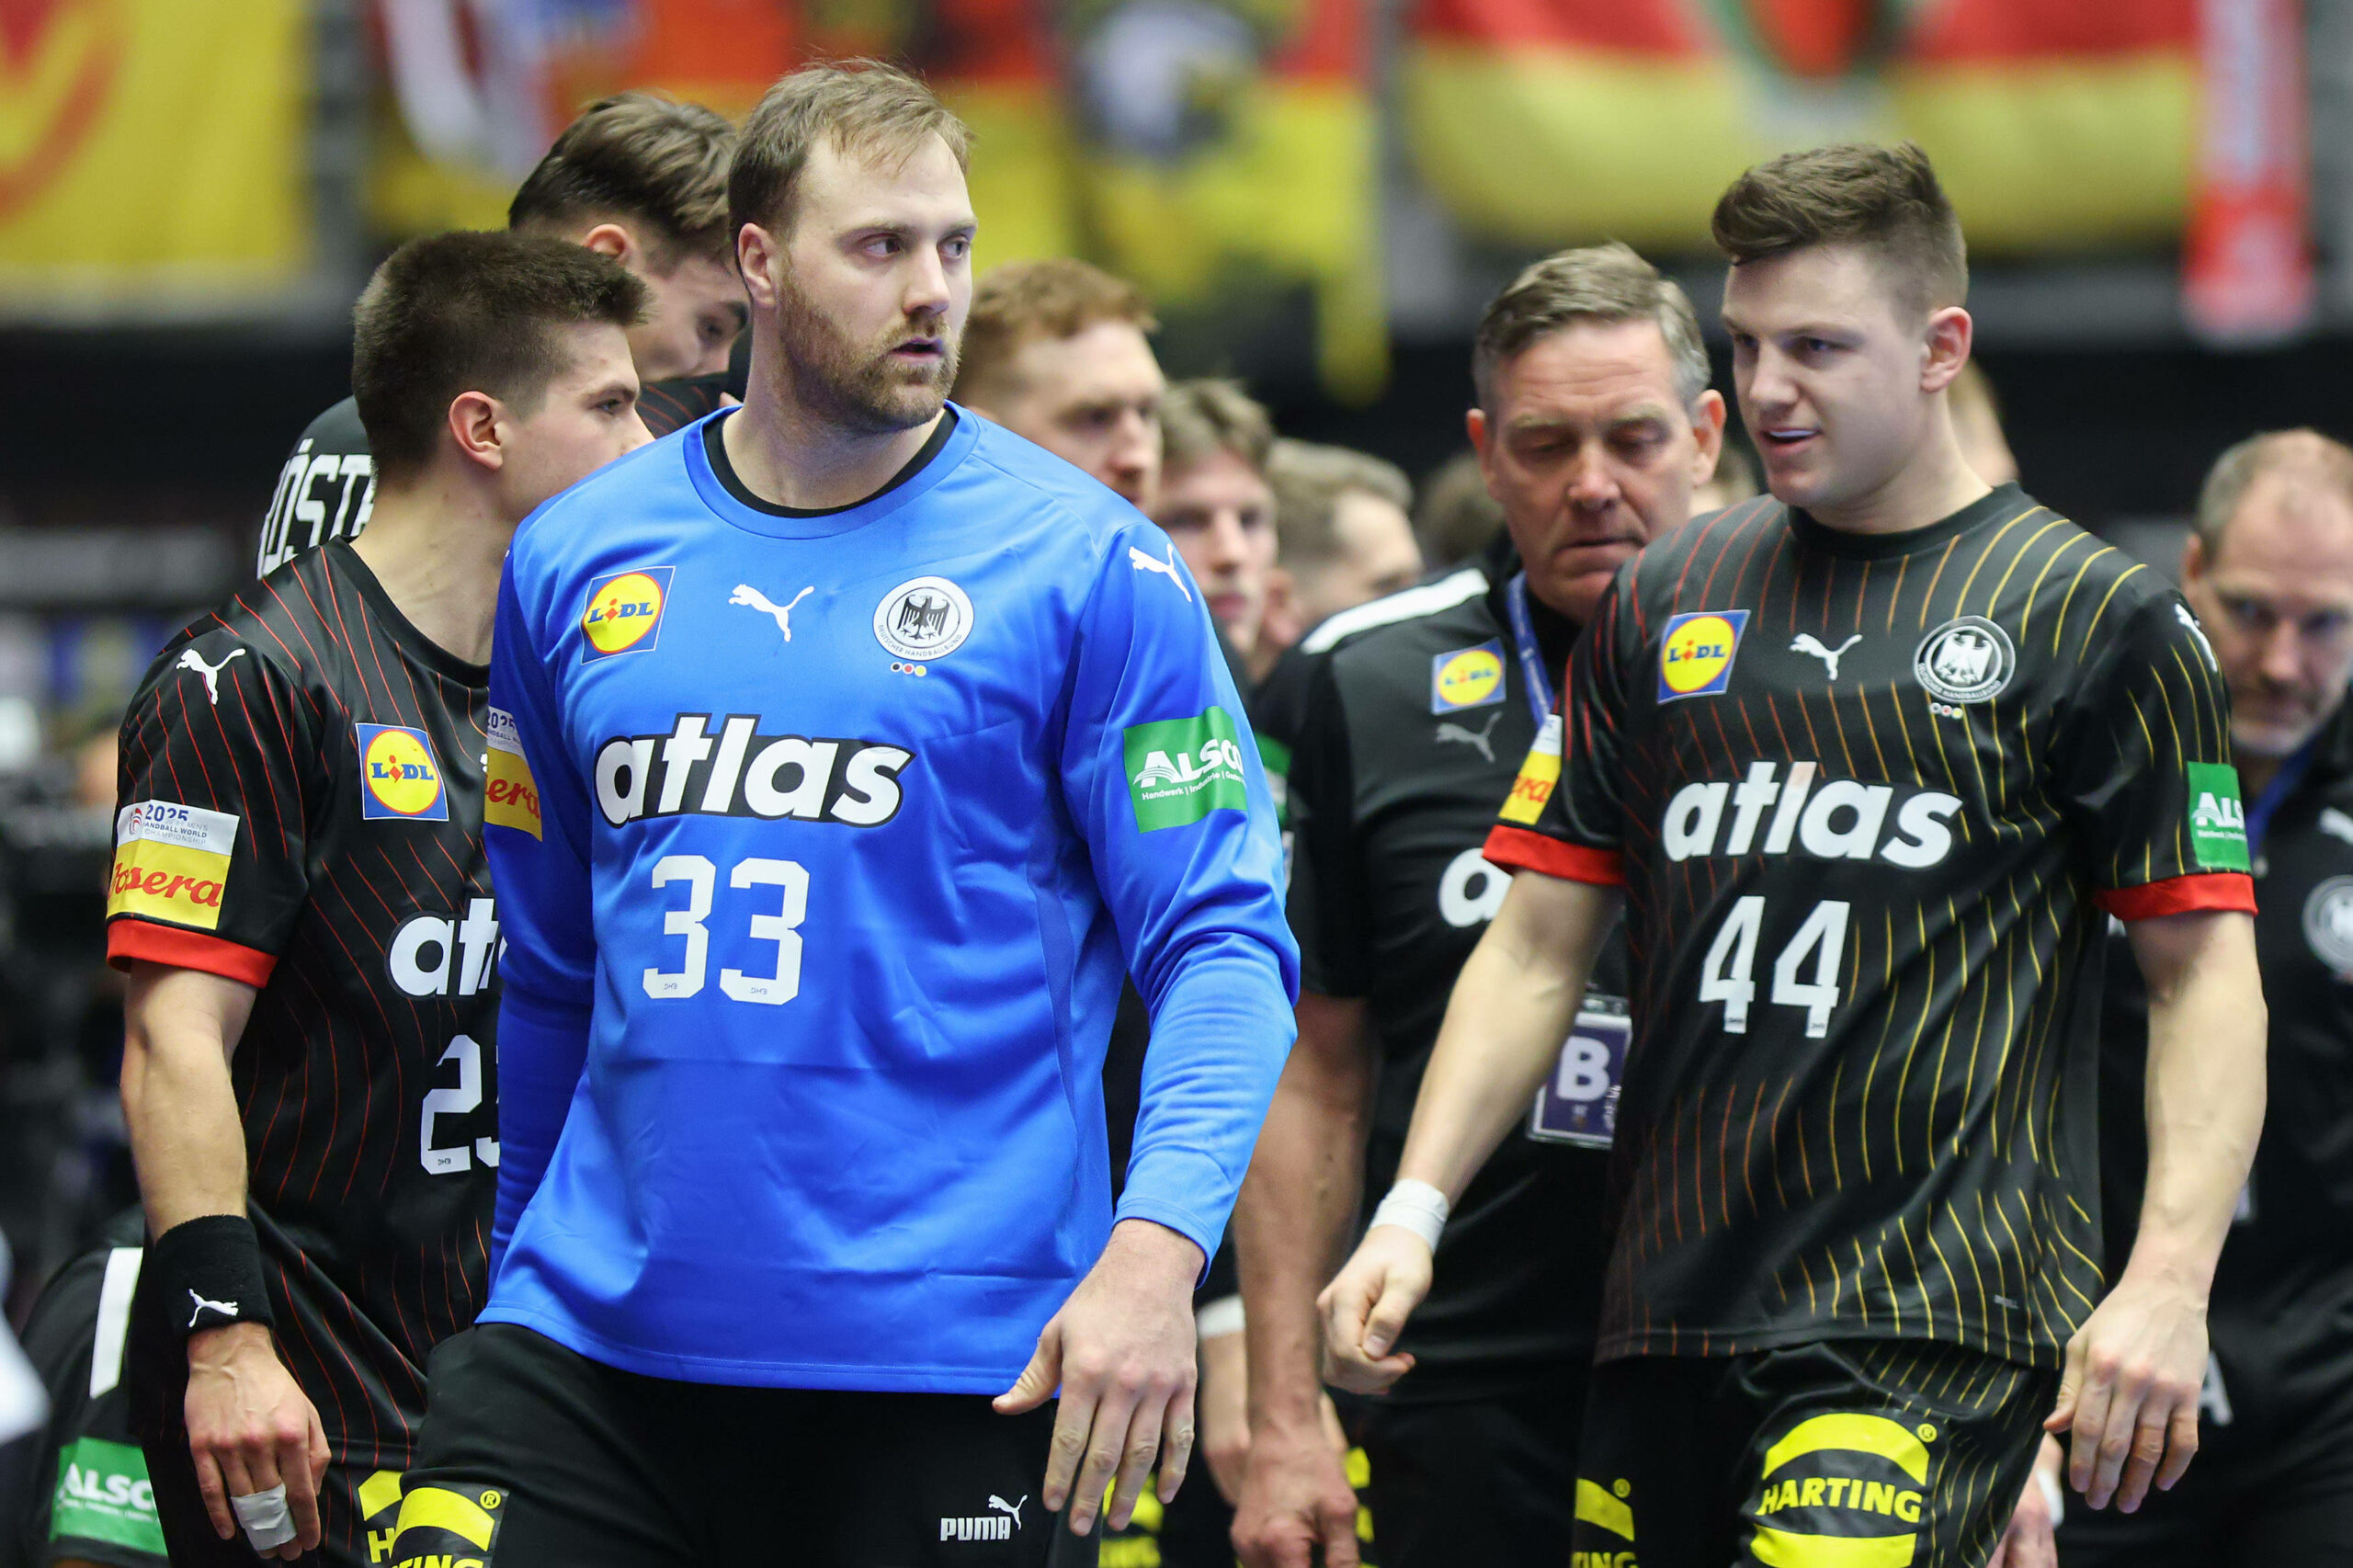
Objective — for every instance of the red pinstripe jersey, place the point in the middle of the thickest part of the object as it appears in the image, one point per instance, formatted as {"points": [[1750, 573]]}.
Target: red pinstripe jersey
{"points": [[300, 809], [1868, 798]]}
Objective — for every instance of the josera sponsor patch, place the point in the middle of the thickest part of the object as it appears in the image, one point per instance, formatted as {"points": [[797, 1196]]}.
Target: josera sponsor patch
{"points": [[1537, 775], [511, 797], [171, 862]]}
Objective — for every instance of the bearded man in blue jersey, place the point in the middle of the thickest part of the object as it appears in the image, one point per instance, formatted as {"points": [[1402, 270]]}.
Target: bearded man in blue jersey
{"points": [[845, 751]]}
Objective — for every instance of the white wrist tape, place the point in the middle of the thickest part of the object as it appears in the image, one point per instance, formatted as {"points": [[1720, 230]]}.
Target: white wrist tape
{"points": [[2052, 1494], [264, 1516], [1219, 1318], [1414, 1205]]}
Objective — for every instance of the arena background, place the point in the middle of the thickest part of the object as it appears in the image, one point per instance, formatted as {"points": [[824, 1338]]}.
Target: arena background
{"points": [[1318, 194]]}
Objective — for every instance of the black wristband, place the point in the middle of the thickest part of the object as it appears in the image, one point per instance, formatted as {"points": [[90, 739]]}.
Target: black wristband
{"points": [[208, 1274]]}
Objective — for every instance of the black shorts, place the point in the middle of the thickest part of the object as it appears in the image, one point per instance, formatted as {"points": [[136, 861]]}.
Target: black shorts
{"points": [[1920, 1450], [535, 1457], [357, 1509], [2272, 1486], [1475, 1480]]}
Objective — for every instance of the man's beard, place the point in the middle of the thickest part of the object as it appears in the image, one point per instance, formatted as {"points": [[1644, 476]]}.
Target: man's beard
{"points": [[861, 389]]}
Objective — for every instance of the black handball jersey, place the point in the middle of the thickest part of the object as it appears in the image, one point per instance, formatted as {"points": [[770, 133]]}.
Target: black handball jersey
{"points": [[301, 810], [1869, 795], [1416, 714]]}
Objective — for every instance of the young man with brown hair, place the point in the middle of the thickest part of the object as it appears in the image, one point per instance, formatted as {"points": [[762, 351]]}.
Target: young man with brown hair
{"points": [[301, 903], [1870, 763], [639, 177], [1344, 533], [1058, 352], [1215, 504], [873, 746]]}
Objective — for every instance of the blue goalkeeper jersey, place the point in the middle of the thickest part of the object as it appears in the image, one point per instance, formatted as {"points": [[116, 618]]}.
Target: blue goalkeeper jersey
{"points": [[822, 842]]}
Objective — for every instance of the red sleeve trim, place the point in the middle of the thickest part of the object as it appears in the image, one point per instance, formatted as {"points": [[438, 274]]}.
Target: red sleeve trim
{"points": [[1516, 850], [2180, 896], [131, 938]]}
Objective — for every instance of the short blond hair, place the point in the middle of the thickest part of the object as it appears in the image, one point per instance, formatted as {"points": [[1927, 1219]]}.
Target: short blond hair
{"points": [[1308, 479], [1211, 414], [1022, 302], [858, 105]]}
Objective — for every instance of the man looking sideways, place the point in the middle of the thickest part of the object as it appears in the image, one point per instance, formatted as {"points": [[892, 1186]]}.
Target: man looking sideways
{"points": [[1594, 424], [1866, 761], [1057, 352], [874, 745], [309, 1066]]}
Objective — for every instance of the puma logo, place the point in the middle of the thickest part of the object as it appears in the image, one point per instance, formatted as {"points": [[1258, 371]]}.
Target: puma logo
{"points": [[1014, 1508], [2189, 624], [1805, 643], [226, 1309], [1142, 563], [745, 594], [192, 660], [1483, 739]]}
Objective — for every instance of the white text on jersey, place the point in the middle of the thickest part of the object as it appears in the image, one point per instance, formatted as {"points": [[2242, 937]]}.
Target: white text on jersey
{"points": [[1840, 821], [742, 773]]}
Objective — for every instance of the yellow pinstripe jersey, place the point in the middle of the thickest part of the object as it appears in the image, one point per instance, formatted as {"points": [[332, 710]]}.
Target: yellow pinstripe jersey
{"points": [[1869, 797]]}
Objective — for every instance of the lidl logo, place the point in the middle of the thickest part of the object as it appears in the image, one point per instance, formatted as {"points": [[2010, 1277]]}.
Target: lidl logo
{"points": [[624, 612], [1695, 657], [1468, 677], [2217, 821], [400, 775]]}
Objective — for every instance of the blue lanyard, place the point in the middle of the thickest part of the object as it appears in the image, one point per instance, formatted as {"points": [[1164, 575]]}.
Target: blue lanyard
{"points": [[1536, 682], [2260, 810]]}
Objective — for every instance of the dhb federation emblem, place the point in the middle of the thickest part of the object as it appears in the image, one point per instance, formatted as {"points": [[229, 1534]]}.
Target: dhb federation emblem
{"points": [[925, 618], [1967, 660]]}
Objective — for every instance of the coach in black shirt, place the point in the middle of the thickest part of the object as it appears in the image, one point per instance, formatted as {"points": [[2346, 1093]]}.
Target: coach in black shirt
{"points": [[1592, 426], [2271, 574]]}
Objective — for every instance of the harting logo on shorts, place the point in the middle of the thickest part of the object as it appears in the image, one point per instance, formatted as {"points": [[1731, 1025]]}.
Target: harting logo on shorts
{"points": [[448, 1527], [998, 1524], [1836, 1482], [742, 773]]}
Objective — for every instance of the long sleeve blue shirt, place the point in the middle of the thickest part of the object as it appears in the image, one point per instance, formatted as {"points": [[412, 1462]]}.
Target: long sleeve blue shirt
{"points": [[822, 843]]}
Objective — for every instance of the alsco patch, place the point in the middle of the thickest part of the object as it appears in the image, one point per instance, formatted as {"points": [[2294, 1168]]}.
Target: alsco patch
{"points": [[399, 774], [2217, 821], [1695, 656], [1179, 770]]}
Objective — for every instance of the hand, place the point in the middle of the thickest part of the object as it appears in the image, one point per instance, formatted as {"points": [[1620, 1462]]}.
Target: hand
{"points": [[1224, 1403], [2130, 1394], [1122, 1350], [249, 1428], [1365, 1305], [2029, 1543], [1295, 1495]]}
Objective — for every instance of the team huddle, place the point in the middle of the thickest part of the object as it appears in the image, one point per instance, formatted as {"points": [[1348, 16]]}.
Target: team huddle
{"points": [[1723, 1034]]}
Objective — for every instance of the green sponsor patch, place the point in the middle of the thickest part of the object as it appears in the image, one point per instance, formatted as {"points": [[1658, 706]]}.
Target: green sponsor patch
{"points": [[102, 1494], [2217, 821], [1275, 757], [1179, 770]]}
